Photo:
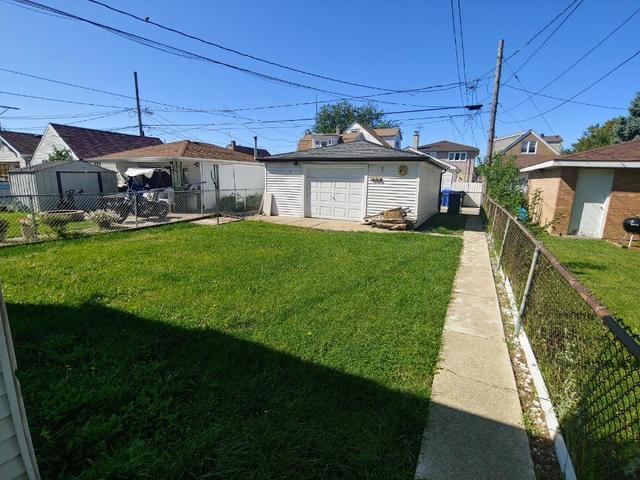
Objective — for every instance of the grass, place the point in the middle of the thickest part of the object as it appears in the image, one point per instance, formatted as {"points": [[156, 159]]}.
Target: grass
{"points": [[445, 224], [610, 272], [249, 351]]}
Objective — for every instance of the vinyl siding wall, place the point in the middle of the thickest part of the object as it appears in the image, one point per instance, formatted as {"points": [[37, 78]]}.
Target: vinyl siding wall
{"points": [[286, 183], [49, 140], [385, 188], [394, 190], [17, 459], [428, 191]]}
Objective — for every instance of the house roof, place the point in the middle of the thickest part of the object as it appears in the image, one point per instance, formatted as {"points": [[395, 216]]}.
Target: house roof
{"points": [[182, 148], [356, 150], [22, 143], [619, 155], [247, 150], [306, 142], [387, 132], [501, 144], [447, 146], [56, 165], [89, 143]]}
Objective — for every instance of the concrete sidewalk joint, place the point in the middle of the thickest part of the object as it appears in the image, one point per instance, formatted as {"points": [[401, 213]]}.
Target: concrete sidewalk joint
{"points": [[474, 428]]}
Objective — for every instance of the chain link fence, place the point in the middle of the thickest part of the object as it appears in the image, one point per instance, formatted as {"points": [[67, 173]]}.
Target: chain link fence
{"points": [[589, 360], [31, 218]]}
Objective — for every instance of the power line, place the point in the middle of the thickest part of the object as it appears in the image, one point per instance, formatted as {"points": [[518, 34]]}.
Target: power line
{"points": [[587, 87], [60, 100], [544, 42], [237, 52], [597, 105], [464, 58], [535, 105], [592, 49]]}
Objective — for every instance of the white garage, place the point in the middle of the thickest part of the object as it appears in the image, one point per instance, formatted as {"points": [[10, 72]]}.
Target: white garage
{"points": [[351, 181]]}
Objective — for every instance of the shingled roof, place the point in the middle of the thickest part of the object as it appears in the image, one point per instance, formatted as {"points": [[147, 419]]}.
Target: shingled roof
{"points": [[181, 149], [447, 146], [23, 143], [356, 150], [89, 143]]}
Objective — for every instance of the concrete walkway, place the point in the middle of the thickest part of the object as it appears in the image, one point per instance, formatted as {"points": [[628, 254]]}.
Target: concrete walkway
{"points": [[474, 429]]}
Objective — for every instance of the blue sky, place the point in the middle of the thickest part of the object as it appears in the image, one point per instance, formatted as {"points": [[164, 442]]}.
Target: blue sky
{"points": [[392, 45]]}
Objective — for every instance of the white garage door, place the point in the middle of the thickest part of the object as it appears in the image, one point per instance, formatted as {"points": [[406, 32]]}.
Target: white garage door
{"points": [[335, 193]]}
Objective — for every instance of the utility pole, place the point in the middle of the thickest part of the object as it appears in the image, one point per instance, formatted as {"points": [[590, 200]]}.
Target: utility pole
{"points": [[494, 102], [135, 80]]}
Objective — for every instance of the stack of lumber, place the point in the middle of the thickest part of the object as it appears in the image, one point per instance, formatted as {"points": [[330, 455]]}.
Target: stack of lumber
{"points": [[393, 219]]}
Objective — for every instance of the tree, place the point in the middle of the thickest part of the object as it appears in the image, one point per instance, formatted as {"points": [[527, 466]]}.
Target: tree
{"points": [[597, 136], [59, 155], [629, 127], [504, 184], [342, 114]]}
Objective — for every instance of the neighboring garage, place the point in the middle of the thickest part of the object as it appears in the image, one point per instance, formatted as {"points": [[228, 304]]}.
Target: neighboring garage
{"points": [[352, 180]]}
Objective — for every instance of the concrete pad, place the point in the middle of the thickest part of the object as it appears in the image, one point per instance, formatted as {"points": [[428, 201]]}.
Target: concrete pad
{"points": [[474, 430], [477, 358]]}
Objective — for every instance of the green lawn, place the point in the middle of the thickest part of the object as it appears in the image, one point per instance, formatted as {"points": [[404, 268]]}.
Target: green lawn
{"points": [[248, 351], [610, 272]]}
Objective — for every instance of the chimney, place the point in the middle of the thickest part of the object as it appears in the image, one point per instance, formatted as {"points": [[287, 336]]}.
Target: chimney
{"points": [[232, 145], [255, 147], [416, 139]]}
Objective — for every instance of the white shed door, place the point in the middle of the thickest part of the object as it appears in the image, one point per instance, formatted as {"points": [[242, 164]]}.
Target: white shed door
{"points": [[336, 193], [592, 190]]}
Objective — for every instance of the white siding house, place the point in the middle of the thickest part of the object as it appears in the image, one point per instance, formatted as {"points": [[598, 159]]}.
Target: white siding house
{"points": [[17, 457], [351, 181]]}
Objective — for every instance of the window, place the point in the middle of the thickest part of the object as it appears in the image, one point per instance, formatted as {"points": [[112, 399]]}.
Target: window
{"points": [[323, 143], [528, 146], [457, 156]]}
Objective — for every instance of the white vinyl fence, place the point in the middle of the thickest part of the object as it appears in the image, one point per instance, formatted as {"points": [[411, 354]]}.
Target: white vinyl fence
{"points": [[474, 191]]}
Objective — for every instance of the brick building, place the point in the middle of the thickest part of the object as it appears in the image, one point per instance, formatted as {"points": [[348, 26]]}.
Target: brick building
{"points": [[588, 193]]}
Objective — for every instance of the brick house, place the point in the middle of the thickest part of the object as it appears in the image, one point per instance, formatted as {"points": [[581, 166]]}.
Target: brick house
{"points": [[588, 193]]}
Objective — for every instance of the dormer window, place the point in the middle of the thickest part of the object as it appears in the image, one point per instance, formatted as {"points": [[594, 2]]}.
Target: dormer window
{"points": [[528, 146], [457, 156], [323, 143]]}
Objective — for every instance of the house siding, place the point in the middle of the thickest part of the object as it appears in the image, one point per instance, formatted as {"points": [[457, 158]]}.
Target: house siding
{"points": [[394, 190], [624, 202], [428, 192], [286, 183], [49, 140]]}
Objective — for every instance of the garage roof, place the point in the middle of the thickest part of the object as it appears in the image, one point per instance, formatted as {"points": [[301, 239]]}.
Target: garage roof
{"points": [[356, 150]]}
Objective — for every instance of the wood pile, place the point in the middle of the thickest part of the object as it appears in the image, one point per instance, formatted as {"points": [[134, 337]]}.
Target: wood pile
{"points": [[393, 219]]}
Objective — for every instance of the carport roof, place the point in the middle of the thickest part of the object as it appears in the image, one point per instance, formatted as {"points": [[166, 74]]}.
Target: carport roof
{"points": [[356, 150]]}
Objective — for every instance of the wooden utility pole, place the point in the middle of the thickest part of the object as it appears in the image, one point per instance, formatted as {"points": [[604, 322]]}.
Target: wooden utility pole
{"points": [[494, 102], [135, 80]]}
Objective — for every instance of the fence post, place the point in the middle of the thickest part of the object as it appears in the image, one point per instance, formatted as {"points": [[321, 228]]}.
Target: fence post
{"points": [[33, 217], [527, 287], [493, 219], [135, 207], [504, 239], [201, 193]]}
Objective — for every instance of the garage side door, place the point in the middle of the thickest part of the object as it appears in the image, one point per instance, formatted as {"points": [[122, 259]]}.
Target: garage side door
{"points": [[336, 193]]}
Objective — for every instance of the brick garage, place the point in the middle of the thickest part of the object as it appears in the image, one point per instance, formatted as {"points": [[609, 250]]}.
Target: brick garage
{"points": [[588, 193]]}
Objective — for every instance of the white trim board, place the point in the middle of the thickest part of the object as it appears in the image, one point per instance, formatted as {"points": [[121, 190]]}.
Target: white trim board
{"points": [[583, 164]]}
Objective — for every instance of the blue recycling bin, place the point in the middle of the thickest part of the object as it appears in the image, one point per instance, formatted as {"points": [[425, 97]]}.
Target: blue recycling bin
{"points": [[445, 197]]}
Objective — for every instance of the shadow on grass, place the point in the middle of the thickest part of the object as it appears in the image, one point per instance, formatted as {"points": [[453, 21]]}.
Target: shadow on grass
{"points": [[446, 224], [112, 395]]}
